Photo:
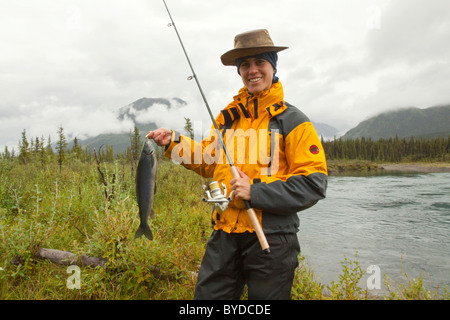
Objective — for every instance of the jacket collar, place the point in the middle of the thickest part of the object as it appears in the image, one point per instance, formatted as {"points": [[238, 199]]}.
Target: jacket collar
{"points": [[270, 101], [275, 92]]}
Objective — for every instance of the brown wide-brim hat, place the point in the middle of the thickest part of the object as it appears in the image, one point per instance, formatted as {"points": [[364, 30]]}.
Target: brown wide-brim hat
{"points": [[248, 44]]}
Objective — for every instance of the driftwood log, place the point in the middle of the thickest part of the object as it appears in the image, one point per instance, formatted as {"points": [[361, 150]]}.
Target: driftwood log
{"points": [[68, 258]]}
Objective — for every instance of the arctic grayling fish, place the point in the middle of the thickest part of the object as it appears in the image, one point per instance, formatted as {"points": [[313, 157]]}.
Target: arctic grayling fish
{"points": [[146, 187]]}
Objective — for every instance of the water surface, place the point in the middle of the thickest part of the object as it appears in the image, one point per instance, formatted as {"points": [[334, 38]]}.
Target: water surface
{"points": [[399, 222]]}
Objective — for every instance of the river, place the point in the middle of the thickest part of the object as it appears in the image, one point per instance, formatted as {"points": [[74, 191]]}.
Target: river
{"points": [[399, 222]]}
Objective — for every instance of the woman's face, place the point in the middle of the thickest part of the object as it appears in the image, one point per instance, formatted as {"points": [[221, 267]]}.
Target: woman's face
{"points": [[257, 74]]}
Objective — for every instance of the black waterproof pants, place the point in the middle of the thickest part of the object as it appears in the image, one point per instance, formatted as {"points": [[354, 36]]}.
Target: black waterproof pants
{"points": [[233, 260]]}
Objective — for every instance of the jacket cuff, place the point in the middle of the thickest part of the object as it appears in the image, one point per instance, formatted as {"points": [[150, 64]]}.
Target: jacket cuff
{"points": [[176, 138]]}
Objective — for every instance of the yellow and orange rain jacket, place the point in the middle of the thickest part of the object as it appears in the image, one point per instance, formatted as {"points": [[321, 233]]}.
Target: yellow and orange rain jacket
{"points": [[273, 143]]}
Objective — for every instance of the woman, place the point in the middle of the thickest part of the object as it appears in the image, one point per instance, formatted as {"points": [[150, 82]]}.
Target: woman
{"points": [[282, 171]]}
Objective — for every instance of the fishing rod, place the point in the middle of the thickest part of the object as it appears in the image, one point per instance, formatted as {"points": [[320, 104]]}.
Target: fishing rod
{"points": [[251, 213]]}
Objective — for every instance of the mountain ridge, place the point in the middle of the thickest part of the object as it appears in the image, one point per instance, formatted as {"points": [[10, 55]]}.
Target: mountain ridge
{"points": [[407, 122]]}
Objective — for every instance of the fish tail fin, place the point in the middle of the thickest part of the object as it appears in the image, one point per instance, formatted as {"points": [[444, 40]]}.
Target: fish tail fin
{"points": [[144, 230]]}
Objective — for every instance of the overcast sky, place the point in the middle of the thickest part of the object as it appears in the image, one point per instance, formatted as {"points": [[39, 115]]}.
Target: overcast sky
{"points": [[73, 63]]}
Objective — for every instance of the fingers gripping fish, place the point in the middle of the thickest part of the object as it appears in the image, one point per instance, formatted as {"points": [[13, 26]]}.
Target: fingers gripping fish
{"points": [[146, 187]]}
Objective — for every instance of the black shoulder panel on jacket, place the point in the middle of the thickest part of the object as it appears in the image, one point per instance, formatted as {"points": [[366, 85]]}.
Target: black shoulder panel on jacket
{"points": [[288, 120]]}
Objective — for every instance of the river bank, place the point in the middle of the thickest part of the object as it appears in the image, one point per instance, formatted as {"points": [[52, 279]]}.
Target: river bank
{"points": [[337, 167], [417, 167]]}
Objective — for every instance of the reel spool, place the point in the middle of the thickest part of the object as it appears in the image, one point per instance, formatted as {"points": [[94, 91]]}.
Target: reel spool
{"points": [[215, 193]]}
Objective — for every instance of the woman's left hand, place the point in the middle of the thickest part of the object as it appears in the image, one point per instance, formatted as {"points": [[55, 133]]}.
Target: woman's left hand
{"points": [[241, 186]]}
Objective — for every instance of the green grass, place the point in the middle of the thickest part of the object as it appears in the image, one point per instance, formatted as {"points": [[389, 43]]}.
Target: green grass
{"points": [[40, 207]]}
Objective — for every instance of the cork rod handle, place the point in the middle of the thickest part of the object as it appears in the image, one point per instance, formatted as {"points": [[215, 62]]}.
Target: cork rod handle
{"points": [[254, 220]]}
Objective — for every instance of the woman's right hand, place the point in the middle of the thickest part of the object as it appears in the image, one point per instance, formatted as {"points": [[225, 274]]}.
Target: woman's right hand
{"points": [[161, 136]]}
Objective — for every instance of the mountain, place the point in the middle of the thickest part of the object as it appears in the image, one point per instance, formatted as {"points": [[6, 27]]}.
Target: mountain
{"points": [[143, 104], [325, 131], [420, 123], [141, 111]]}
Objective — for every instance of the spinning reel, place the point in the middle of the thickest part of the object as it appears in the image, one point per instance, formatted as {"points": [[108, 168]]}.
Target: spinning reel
{"points": [[217, 195]]}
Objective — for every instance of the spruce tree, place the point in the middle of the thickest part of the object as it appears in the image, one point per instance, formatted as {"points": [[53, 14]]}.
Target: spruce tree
{"points": [[76, 149], [61, 146], [24, 152], [135, 140], [188, 128]]}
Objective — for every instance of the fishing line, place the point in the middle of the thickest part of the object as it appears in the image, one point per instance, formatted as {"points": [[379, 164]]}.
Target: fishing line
{"points": [[194, 76]]}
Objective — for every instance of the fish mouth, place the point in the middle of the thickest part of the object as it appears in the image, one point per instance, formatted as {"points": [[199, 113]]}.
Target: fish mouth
{"points": [[150, 153]]}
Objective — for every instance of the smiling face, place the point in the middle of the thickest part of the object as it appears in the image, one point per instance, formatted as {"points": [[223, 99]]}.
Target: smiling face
{"points": [[257, 74]]}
